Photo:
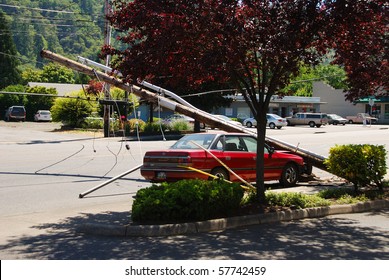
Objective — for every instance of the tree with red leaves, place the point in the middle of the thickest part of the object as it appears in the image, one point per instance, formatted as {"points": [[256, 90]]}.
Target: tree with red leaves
{"points": [[94, 87], [358, 32], [258, 45]]}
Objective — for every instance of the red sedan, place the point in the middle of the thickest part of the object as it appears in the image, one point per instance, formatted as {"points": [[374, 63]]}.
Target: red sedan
{"points": [[236, 150]]}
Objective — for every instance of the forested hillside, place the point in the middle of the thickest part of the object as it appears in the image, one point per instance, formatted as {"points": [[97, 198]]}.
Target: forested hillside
{"points": [[68, 27]]}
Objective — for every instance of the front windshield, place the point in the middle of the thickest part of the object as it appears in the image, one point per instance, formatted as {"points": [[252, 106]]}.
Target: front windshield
{"points": [[188, 141]]}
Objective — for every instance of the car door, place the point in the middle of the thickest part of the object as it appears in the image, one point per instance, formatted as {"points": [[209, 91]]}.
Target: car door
{"points": [[232, 151], [273, 165]]}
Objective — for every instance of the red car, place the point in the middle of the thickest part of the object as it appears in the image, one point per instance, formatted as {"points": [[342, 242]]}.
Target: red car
{"points": [[237, 150]]}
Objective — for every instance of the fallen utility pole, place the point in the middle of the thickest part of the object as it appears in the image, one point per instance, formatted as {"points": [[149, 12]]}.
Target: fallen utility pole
{"points": [[309, 157]]}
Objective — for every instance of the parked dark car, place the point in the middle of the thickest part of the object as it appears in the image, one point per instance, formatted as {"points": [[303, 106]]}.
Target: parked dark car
{"points": [[336, 119], [17, 113]]}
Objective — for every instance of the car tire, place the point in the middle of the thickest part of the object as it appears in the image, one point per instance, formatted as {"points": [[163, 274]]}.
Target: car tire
{"points": [[272, 125], [311, 124], [221, 173], [249, 124], [279, 127], [350, 122], [289, 175], [318, 125]]}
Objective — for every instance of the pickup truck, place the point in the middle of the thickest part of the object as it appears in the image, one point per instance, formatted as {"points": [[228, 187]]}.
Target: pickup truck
{"points": [[360, 117]]}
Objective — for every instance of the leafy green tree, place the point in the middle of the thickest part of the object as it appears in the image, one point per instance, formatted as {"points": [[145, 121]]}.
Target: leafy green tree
{"points": [[8, 100], [71, 111], [301, 85], [53, 73], [9, 73], [31, 75], [35, 103], [40, 43]]}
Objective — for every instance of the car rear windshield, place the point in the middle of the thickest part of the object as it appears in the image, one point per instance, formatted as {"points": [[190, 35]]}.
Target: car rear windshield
{"points": [[18, 110], [190, 141]]}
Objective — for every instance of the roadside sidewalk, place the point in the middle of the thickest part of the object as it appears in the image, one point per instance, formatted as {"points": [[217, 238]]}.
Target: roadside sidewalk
{"points": [[227, 223]]}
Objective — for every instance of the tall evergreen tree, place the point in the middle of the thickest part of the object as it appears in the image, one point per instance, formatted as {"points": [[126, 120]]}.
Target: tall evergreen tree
{"points": [[9, 72]]}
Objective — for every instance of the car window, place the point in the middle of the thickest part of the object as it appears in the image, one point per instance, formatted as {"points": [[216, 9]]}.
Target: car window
{"points": [[190, 141], [248, 144], [17, 109], [231, 143]]}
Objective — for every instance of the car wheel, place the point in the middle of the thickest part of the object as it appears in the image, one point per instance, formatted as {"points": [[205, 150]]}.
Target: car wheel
{"points": [[311, 124], [350, 121], [290, 175], [249, 124], [272, 125], [279, 127], [221, 173], [318, 125]]}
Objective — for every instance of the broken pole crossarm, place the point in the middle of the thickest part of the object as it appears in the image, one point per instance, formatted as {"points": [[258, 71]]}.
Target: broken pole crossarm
{"points": [[311, 158]]}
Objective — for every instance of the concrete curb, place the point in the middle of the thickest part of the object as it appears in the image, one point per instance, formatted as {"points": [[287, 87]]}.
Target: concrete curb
{"points": [[227, 223]]}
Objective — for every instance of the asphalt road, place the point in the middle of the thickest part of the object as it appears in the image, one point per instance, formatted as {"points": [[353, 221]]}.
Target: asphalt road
{"points": [[42, 172]]}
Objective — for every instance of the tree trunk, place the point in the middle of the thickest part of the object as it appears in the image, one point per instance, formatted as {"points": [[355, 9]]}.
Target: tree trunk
{"points": [[260, 182]]}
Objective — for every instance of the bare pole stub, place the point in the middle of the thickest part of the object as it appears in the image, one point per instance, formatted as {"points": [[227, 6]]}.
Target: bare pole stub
{"points": [[311, 158]]}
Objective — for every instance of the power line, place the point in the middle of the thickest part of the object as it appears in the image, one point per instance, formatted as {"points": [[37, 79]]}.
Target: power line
{"points": [[33, 18], [22, 58], [44, 10], [48, 95]]}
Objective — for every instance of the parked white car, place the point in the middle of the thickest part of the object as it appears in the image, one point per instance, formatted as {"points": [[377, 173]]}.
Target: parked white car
{"points": [[42, 116], [228, 120], [273, 121]]}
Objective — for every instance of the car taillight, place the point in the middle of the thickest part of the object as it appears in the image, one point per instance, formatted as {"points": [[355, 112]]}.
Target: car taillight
{"points": [[186, 159]]}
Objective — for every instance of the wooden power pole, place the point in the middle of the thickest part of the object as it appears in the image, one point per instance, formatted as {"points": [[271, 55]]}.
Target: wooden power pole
{"points": [[107, 87]]}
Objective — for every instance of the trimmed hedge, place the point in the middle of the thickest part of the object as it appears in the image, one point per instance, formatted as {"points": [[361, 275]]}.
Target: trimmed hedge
{"points": [[362, 165], [186, 200]]}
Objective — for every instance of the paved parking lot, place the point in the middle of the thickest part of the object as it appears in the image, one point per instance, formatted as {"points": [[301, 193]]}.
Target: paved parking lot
{"points": [[42, 172]]}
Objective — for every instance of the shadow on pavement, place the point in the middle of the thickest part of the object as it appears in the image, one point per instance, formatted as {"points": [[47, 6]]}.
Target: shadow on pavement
{"points": [[326, 238]]}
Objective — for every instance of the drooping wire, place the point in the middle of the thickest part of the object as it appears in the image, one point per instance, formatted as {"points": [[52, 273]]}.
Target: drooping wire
{"points": [[62, 160], [137, 132], [106, 92]]}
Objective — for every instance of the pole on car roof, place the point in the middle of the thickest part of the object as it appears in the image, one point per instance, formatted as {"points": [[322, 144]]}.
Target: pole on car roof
{"points": [[310, 158]]}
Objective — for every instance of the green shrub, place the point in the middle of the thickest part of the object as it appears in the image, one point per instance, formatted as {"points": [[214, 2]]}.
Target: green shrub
{"points": [[92, 123], [362, 165], [71, 111], [179, 125], [297, 200], [154, 127], [132, 125], [335, 193], [349, 199], [186, 200]]}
